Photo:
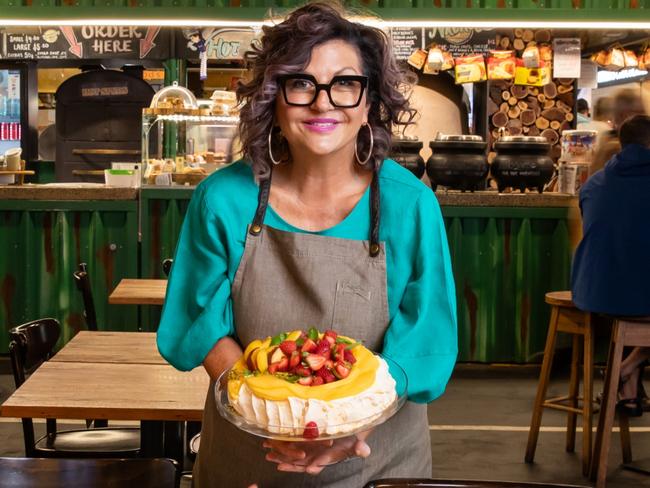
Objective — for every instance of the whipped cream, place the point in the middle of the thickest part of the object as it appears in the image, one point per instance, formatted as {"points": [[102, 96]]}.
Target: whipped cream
{"points": [[288, 417]]}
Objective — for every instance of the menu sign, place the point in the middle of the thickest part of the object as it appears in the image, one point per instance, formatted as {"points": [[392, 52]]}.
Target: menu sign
{"points": [[86, 42], [405, 40], [461, 41]]}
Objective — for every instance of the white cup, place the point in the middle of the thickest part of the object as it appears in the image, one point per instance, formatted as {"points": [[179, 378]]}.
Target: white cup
{"points": [[567, 178], [12, 158]]}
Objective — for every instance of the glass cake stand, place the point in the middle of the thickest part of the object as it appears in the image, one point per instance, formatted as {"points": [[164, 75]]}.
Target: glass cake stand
{"points": [[290, 434]]}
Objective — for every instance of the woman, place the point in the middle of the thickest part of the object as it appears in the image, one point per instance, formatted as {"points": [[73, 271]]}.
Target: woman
{"points": [[296, 235]]}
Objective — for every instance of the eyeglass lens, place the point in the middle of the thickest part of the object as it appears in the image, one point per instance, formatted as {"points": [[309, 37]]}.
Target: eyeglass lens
{"points": [[343, 92]]}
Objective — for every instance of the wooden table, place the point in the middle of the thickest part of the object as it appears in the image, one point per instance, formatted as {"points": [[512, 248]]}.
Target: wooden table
{"points": [[111, 347], [139, 292]]}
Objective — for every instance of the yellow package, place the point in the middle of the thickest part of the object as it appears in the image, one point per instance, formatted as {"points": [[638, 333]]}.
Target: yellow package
{"points": [[532, 76], [417, 58], [470, 69]]}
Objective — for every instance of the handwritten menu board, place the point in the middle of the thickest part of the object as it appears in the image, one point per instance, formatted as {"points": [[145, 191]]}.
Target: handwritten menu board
{"points": [[461, 41], [87, 42], [406, 40]]}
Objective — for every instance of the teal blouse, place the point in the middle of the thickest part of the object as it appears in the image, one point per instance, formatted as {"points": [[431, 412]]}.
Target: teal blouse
{"points": [[421, 335]]}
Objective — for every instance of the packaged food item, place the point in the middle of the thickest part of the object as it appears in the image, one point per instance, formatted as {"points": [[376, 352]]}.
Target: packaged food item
{"points": [[532, 76], [644, 58], [417, 58], [546, 53], [223, 102], [438, 60], [531, 57], [631, 61], [612, 60], [501, 65], [470, 69]]}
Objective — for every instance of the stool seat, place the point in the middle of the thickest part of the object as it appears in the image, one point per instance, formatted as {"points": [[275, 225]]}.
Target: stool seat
{"points": [[559, 298], [566, 318]]}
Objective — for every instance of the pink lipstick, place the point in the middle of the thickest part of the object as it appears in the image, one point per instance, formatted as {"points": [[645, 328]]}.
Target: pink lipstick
{"points": [[321, 125]]}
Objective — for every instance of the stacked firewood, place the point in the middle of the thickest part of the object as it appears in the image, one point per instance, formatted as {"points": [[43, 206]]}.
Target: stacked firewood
{"points": [[530, 110]]}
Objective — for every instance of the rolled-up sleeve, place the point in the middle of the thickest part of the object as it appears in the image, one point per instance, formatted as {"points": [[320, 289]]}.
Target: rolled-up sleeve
{"points": [[422, 336], [197, 310]]}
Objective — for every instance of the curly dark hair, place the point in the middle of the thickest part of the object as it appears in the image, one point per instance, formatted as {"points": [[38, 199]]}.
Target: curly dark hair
{"points": [[286, 48]]}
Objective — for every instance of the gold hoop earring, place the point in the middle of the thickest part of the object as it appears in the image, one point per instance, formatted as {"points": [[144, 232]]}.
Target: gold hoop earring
{"points": [[372, 143], [273, 160]]}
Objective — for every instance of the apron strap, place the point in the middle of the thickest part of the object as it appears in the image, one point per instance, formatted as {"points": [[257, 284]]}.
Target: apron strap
{"points": [[263, 201]]}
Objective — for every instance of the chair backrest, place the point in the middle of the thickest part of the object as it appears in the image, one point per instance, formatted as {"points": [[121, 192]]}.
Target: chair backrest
{"points": [[30, 345], [167, 265], [430, 483], [96, 473], [82, 280]]}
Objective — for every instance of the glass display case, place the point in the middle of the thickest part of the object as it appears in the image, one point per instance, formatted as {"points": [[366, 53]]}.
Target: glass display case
{"points": [[184, 141]]}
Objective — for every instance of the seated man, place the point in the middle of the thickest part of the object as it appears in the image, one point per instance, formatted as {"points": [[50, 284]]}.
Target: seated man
{"points": [[611, 268]]}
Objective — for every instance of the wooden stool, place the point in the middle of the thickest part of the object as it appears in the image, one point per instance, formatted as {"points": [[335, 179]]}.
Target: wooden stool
{"points": [[565, 317], [626, 332]]}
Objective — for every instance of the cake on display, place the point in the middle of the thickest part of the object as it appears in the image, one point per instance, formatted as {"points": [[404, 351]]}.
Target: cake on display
{"points": [[310, 384]]}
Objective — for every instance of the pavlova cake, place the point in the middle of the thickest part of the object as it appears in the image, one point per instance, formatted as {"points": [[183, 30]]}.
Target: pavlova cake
{"points": [[310, 384]]}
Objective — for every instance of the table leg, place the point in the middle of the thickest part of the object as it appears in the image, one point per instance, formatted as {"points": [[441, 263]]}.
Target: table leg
{"points": [[151, 439], [174, 435]]}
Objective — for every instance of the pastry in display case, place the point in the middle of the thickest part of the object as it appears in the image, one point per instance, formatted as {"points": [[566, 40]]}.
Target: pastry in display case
{"points": [[184, 141]]}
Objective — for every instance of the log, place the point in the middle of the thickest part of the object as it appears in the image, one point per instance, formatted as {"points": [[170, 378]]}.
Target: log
{"points": [[564, 89], [495, 89], [563, 106], [495, 134], [569, 117], [515, 131], [556, 152], [567, 98], [550, 90], [512, 101], [534, 90], [565, 81], [528, 117], [525, 129], [514, 112], [549, 104], [528, 35], [550, 135], [504, 42], [504, 107], [505, 95], [519, 33], [541, 123], [519, 91], [492, 107], [500, 119], [565, 126], [555, 125], [522, 105], [533, 131], [554, 113], [541, 97], [514, 123], [519, 44], [543, 35]]}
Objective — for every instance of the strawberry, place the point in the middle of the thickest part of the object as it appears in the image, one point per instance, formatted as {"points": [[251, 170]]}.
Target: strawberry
{"points": [[342, 370], [306, 380], [329, 364], [348, 357], [284, 364], [317, 381], [323, 348], [302, 371], [273, 367], [339, 352], [330, 336], [288, 347], [326, 374], [294, 360], [315, 361], [311, 430], [332, 333], [308, 346]]}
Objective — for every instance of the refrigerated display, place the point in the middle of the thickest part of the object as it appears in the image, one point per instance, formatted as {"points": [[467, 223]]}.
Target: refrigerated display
{"points": [[10, 108]]}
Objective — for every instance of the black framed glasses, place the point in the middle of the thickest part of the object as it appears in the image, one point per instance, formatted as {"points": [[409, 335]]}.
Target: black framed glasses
{"points": [[343, 91]]}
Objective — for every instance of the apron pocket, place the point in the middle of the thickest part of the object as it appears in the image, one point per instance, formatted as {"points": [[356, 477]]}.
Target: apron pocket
{"points": [[352, 308]]}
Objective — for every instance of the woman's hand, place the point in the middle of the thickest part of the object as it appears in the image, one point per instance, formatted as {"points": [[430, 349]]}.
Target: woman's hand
{"points": [[312, 457]]}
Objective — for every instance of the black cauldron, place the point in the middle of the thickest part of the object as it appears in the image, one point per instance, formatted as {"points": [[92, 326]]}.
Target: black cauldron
{"points": [[458, 162], [522, 162], [406, 152]]}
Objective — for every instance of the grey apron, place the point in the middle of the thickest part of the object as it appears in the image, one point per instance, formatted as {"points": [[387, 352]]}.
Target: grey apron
{"points": [[288, 281]]}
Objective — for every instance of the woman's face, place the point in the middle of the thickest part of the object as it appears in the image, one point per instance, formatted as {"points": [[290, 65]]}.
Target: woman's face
{"points": [[321, 129]]}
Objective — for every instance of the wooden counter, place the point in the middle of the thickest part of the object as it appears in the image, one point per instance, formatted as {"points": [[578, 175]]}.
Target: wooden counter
{"points": [[66, 191]]}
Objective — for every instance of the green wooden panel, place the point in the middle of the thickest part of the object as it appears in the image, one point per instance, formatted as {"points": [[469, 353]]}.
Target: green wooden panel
{"points": [[42, 246]]}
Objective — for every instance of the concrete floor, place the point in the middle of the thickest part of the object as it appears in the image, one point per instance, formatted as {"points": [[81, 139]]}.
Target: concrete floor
{"points": [[478, 430]]}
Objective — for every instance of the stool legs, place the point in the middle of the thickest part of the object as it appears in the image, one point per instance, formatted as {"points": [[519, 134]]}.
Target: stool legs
{"points": [[574, 386], [587, 395], [607, 407], [542, 386]]}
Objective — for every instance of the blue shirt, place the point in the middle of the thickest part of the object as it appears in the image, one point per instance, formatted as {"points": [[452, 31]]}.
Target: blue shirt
{"points": [[421, 335], [611, 268]]}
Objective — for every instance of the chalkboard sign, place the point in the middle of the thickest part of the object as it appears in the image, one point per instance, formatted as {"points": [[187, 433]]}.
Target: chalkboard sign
{"points": [[405, 40], [87, 42], [461, 41]]}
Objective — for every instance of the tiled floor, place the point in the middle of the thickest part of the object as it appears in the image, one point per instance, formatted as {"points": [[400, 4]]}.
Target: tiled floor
{"points": [[478, 430]]}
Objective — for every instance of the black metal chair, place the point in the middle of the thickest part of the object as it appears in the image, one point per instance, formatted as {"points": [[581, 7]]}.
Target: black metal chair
{"points": [[88, 473], [429, 483], [30, 345], [167, 265], [82, 281]]}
